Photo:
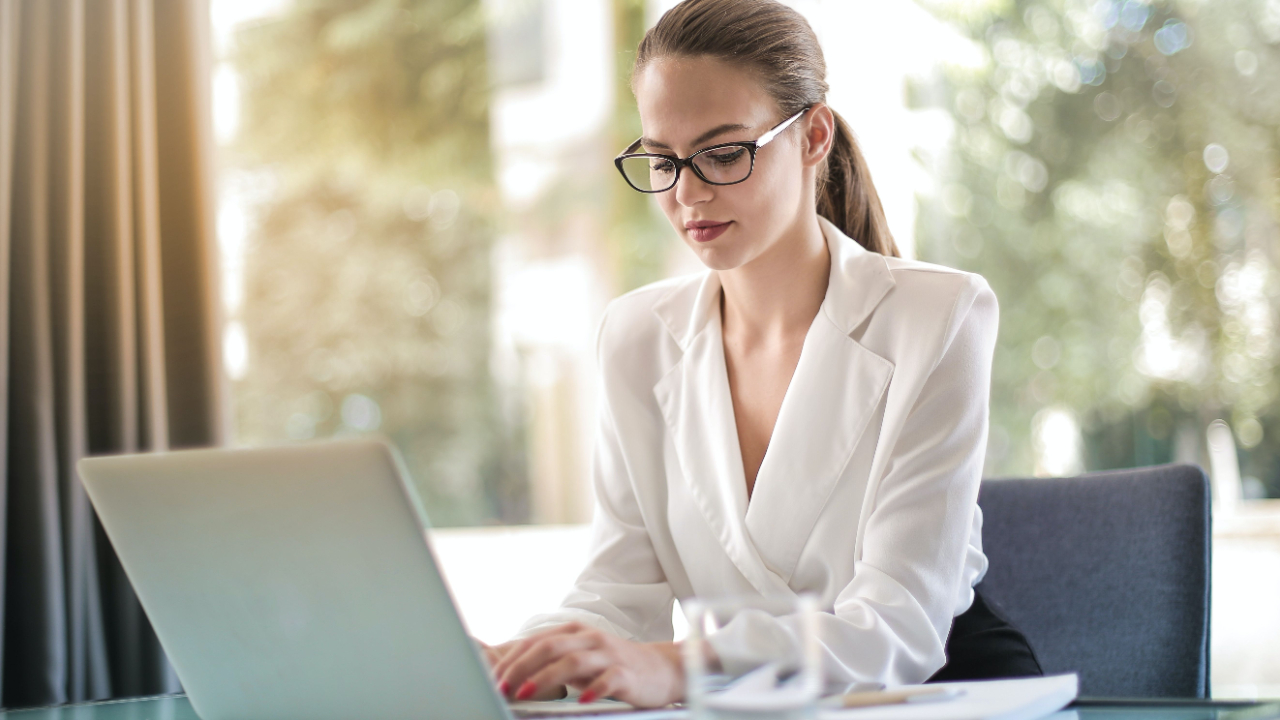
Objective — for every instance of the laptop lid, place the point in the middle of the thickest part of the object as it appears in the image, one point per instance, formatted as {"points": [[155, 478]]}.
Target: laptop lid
{"points": [[292, 582]]}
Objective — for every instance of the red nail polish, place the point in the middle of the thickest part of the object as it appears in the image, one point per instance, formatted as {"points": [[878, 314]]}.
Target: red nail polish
{"points": [[526, 690], [503, 688], [587, 696]]}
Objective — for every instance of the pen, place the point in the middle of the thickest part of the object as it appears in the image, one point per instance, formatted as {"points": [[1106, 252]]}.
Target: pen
{"points": [[893, 697]]}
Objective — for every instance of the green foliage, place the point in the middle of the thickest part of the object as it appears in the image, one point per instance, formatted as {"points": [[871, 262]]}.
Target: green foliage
{"points": [[639, 234], [391, 84], [367, 276], [1115, 175]]}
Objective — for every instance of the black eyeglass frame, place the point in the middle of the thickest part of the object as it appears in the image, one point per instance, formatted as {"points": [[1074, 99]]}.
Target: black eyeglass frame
{"points": [[680, 163]]}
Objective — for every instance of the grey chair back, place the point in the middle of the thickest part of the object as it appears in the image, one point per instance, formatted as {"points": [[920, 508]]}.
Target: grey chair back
{"points": [[1107, 575]]}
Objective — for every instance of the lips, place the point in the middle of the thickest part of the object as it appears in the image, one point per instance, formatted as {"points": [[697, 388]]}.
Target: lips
{"points": [[706, 230]]}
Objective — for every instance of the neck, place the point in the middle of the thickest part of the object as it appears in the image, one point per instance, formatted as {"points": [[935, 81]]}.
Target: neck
{"points": [[777, 294]]}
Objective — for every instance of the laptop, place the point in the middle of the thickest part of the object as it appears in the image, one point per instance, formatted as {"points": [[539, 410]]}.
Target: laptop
{"points": [[292, 582]]}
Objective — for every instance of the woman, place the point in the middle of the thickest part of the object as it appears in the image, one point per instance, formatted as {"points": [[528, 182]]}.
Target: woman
{"points": [[808, 416]]}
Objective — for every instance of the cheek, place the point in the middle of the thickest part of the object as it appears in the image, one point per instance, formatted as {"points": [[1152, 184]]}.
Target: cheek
{"points": [[768, 200], [782, 179], [667, 203]]}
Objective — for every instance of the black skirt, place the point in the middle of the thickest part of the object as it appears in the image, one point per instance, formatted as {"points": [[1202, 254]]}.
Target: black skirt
{"points": [[983, 645]]}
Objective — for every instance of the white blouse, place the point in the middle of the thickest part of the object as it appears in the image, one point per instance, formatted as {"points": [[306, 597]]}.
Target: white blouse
{"points": [[867, 494]]}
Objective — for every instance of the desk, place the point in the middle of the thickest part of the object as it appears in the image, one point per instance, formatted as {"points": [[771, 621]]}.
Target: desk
{"points": [[176, 707]]}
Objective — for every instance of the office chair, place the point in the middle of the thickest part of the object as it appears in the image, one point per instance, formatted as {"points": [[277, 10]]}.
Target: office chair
{"points": [[1107, 575]]}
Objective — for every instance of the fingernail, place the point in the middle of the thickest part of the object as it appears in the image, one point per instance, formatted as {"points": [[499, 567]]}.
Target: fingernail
{"points": [[526, 690], [503, 688], [587, 696]]}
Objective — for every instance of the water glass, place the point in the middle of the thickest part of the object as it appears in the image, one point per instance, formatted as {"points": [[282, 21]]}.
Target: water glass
{"points": [[753, 658]]}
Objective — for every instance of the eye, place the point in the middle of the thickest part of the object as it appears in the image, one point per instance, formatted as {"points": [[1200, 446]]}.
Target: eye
{"points": [[727, 156], [660, 165]]}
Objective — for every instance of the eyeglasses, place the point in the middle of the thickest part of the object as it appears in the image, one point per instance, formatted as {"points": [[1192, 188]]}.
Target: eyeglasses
{"points": [[723, 164]]}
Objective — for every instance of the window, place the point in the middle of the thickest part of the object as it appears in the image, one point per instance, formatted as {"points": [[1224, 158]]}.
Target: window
{"points": [[421, 226]]}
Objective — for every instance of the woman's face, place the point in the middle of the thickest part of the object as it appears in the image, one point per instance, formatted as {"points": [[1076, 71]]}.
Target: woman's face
{"points": [[687, 104]]}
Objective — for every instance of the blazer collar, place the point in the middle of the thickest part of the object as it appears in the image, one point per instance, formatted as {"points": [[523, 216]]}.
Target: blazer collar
{"points": [[859, 280]]}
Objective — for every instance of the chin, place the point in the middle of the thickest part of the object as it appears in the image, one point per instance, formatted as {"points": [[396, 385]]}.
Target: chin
{"points": [[719, 257]]}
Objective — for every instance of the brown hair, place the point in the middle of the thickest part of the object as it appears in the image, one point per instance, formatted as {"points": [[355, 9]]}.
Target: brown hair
{"points": [[778, 43]]}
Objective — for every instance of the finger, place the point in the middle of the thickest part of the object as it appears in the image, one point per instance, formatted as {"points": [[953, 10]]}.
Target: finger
{"points": [[541, 654], [573, 668], [497, 652], [522, 648], [546, 692], [517, 648], [606, 684], [492, 657]]}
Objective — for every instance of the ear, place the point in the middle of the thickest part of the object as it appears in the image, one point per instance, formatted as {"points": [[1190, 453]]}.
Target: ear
{"points": [[819, 127]]}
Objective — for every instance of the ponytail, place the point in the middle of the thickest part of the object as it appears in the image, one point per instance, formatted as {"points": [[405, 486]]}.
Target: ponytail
{"points": [[779, 44], [847, 197]]}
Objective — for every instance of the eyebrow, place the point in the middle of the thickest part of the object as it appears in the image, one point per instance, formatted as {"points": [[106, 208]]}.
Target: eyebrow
{"points": [[713, 132]]}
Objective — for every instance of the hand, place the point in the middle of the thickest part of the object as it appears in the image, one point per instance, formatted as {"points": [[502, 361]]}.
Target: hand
{"points": [[493, 653], [600, 664]]}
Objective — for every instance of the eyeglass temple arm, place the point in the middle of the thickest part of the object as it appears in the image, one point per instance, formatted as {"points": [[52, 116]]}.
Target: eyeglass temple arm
{"points": [[630, 148], [765, 138]]}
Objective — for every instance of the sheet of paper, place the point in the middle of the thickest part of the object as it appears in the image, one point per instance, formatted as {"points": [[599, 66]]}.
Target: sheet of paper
{"points": [[603, 708], [1023, 699]]}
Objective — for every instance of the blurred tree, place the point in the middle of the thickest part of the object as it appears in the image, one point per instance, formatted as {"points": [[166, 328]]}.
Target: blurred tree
{"points": [[1115, 175], [364, 125], [640, 234]]}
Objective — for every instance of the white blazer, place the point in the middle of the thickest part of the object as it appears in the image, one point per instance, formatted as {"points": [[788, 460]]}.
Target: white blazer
{"points": [[866, 497]]}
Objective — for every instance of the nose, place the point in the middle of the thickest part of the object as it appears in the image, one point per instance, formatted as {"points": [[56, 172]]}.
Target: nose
{"points": [[690, 189]]}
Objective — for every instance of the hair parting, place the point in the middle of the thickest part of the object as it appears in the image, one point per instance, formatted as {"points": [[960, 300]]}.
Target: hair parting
{"points": [[778, 43]]}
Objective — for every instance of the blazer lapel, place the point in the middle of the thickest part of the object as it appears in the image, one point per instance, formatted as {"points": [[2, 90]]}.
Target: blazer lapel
{"points": [[831, 400], [695, 402], [832, 397]]}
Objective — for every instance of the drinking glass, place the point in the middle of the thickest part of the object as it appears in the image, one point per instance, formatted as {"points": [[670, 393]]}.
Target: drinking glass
{"points": [[753, 658]]}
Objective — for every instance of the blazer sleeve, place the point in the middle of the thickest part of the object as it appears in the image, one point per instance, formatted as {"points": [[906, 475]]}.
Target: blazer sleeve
{"points": [[623, 589], [890, 623]]}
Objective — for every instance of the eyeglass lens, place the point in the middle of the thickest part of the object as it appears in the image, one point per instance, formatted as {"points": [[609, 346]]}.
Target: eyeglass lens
{"points": [[722, 166]]}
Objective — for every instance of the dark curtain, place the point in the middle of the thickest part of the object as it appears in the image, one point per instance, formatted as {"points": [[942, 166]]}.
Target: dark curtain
{"points": [[109, 335]]}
